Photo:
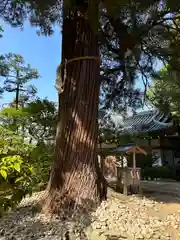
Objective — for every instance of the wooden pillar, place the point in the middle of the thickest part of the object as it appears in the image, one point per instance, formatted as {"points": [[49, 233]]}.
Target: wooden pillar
{"points": [[139, 187], [119, 179], [134, 171], [134, 158], [125, 185]]}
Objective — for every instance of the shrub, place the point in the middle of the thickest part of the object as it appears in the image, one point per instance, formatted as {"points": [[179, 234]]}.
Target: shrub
{"points": [[23, 168], [163, 172], [16, 171], [43, 159]]}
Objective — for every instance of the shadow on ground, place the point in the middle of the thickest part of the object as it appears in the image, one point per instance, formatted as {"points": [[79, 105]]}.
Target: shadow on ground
{"points": [[166, 192], [161, 197], [157, 191], [26, 222]]}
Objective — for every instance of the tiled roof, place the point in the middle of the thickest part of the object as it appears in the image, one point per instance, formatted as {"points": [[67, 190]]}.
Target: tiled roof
{"points": [[148, 121]]}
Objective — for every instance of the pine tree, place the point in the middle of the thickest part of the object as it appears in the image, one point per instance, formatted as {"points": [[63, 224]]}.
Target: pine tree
{"points": [[128, 36], [3, 66], [17, 77]]}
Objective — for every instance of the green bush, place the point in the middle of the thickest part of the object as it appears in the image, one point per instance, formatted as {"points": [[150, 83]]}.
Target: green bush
{"points": [[162, 172], [24, 168], [16, 170], [176, 173], [42, 154]]}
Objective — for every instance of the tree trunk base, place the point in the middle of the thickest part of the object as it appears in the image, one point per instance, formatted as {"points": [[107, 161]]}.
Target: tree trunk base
{"points": [[64, 204], [71, 199]]}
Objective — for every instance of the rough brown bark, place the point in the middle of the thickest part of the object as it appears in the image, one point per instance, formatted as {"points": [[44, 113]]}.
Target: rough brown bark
{"points": [[76, 179]]}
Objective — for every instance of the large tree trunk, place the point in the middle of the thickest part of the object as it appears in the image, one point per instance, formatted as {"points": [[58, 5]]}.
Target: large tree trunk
{"points": [[76, 177]]}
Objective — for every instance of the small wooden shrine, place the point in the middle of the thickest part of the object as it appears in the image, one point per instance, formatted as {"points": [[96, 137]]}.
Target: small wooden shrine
{"points": [[129, 178]]}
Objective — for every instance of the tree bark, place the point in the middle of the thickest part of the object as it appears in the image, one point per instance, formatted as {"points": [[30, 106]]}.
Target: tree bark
{"points": [[76, 178]]}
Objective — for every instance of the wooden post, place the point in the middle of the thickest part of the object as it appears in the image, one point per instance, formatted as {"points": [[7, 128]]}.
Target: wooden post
{"points": [[134, 168], [139, 188], [134, 158], [119, 179], [125, 187], [121, 159], [101, 162]]}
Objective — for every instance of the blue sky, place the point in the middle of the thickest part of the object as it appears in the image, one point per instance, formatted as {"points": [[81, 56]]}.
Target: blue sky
{"points": [[43, 53]]}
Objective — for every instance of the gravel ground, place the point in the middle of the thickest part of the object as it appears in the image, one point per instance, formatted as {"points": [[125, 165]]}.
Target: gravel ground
{"points": [[118, 218]]}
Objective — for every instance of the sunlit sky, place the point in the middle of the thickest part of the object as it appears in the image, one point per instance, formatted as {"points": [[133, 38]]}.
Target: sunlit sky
{"points": [[43, 53]]}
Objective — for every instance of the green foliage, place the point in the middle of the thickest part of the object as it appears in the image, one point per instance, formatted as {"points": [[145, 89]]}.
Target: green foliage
{"points": [[132, 44], [133, 35], [27, 134], [43, 155], [11, 118], [165, 91], [1, 31], [164, 172], [24, 167], [41, 123], [3, 67], [36, 119], [17, 75], [16, 170]]}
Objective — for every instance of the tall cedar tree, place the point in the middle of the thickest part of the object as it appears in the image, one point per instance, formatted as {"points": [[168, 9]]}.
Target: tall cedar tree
{"points": [[130, 35]]}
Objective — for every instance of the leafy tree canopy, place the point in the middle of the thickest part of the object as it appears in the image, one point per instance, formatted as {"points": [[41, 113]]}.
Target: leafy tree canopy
{"points": [[165, 91], [133, 36], [42, 120], [26, 156], [16, 74]]}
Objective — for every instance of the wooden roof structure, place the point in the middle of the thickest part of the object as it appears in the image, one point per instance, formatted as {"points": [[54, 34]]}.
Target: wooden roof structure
{"points": [[130, 148], [148, 121]]}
